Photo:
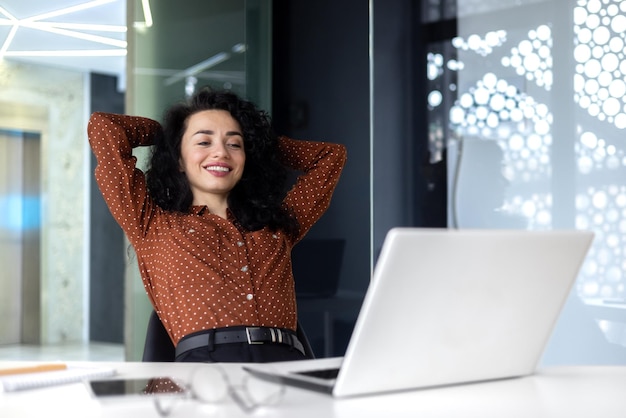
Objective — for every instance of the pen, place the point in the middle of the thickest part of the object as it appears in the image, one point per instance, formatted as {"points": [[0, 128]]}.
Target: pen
{"points": [[33, 369]]}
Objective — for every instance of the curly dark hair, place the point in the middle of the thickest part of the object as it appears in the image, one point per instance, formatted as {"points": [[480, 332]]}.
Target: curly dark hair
{"points": [[256, 200]]}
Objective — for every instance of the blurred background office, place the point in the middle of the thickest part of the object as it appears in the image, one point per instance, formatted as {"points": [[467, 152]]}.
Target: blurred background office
{"points": [[459, 114]]}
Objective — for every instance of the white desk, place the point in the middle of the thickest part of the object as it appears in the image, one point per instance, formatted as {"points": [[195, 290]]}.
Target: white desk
{"points": [[553, 392]]}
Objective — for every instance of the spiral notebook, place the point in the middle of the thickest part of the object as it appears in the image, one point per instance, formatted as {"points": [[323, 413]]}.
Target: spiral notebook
{"points": [[72, 374]]}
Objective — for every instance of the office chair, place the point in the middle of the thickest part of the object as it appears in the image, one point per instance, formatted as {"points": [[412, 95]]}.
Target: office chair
{"points": [[159, 348]]}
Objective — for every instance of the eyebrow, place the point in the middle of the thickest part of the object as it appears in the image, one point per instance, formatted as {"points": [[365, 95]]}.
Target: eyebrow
{"points": [[210, 132]]}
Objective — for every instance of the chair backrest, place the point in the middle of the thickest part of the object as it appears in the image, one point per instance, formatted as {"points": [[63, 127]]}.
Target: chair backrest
{"points": [[159, 347], [317, 279]]}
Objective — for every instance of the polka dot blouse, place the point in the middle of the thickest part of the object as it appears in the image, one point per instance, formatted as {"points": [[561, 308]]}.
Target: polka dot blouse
{"points": [[202, 271]]}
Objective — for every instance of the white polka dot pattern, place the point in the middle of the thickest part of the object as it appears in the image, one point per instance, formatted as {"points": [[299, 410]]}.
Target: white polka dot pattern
{"points": [[199, 270]]}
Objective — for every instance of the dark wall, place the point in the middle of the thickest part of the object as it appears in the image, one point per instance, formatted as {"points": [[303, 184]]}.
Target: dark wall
{"points": [[321, 92], [322, 89], [408, 189], [106, 278], [393, 113]]}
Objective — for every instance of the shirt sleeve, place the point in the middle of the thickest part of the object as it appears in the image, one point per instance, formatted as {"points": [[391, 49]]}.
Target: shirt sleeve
{"points": [[321, 164], [112, 138]]}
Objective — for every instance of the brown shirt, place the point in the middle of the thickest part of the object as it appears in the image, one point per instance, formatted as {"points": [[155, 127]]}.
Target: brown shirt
{"points": [[202, 271]]}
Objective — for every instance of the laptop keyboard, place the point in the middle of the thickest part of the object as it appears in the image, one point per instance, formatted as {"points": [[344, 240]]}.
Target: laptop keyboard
{"points": [[327, 374]]}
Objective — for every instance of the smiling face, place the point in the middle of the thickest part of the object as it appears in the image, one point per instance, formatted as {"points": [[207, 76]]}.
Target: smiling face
{"points": [[212, 157]]}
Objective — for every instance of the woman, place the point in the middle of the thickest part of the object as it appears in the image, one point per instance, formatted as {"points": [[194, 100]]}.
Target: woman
{"points": [[211, 223]]}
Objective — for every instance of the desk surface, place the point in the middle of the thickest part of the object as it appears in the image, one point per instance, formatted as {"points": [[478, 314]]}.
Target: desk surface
{"points": [[571, 392]]}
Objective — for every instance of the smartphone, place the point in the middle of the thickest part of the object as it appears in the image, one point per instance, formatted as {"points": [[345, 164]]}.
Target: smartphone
{"points": [[136, 387]]}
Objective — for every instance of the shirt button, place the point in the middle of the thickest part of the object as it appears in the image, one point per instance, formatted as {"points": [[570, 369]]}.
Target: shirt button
{"points": [[244, 268], [249, 296], [239, 243]]}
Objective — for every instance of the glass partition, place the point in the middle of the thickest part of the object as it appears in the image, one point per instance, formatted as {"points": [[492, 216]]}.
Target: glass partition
{"points": [[175, 48], [526, 98]]}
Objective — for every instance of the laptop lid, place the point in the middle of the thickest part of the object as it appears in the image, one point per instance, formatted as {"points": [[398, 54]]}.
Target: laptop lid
{"points": [[454, 306]]}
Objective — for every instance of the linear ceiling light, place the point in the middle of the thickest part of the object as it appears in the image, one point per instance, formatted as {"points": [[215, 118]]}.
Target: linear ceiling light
{"points": [[147, 16], [71, 30], [69, 53], [8, 41], [7, 14], [68, 10], [46, 27], [85, 26], [197, 68]]}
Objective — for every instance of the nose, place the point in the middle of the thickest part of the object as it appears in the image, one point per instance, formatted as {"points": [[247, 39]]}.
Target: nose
{"points": [[219, 150]]}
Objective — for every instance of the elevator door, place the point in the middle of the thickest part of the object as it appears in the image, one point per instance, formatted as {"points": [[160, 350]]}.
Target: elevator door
{"points": [[20, 234]]}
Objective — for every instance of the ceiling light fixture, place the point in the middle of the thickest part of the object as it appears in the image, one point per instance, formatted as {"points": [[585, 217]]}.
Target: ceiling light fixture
{"points": [[71, 30], [8, 41], [69, 53], [87, 26], [68, 10], [46, 27], [147, 16], [7, 14]]}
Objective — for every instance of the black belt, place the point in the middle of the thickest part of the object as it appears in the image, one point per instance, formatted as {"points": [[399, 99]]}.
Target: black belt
{"points": [[250, 335]]}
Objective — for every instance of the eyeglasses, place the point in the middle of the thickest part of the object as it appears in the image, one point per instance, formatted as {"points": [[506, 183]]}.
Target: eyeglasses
{"points": [[210, 384]]}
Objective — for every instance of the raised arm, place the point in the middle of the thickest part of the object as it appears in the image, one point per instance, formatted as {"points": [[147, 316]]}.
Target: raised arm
{"points": [[112, 138], [321, 164]]}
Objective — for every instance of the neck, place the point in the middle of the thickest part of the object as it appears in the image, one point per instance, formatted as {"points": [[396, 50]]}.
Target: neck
{"points": [[215, 206]]}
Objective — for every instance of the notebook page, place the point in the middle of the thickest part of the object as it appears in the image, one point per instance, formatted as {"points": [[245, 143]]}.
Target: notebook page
{"points": [[72, 374]]}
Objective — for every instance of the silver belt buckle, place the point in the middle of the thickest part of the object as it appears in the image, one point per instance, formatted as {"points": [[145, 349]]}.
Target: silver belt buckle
{"points": [[248, 336]]}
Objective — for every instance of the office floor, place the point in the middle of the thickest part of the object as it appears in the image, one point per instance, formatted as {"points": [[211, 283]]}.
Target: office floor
{"points": [[71, 352]]}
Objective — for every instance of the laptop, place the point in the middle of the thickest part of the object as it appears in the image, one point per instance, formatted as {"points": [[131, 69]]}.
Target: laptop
{"points": [[448, 307]]}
